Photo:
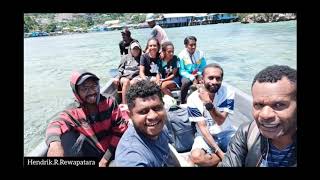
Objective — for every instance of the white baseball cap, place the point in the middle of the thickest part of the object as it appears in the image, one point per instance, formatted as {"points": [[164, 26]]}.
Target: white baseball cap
{"points": [[150, 17], [135, 44]]}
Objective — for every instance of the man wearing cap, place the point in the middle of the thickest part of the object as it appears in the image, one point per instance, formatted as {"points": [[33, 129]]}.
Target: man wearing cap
{"points": [[126, 40], [128, 69], [157, 31], [91, 129]]}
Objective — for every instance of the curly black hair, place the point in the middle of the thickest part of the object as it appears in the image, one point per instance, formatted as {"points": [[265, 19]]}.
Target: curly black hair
{"points": [[274, 73], [142, 89]]}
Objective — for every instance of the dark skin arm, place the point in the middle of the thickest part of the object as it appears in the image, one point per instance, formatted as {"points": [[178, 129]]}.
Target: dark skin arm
{"points": [[141, 72], [207, 97], [209, 139], [218, 116], [158, 80], [121, 49]]}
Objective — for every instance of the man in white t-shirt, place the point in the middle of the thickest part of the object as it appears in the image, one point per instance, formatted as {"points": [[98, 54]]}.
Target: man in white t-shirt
{"points": [[209, 108]]}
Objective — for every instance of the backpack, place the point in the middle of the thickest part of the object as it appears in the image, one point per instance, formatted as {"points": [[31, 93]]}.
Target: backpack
{"points": [[181, 131]]}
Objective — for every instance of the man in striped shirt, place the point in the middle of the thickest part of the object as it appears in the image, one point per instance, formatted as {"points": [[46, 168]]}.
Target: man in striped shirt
{"points": [[93, 128]]}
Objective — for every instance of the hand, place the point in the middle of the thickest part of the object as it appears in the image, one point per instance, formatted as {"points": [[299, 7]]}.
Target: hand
{"points": [[103, 162], [116, 81], [199, 78], [159, 82], [195, 81], [199, 86], [216, 159], [55, 149], [205, 95]]}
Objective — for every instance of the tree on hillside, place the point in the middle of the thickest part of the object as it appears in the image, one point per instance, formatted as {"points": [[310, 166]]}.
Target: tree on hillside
{"points": [[50, 27], [89, 21], [137, 18], [268, 16], [242, 15], [30, 24]]}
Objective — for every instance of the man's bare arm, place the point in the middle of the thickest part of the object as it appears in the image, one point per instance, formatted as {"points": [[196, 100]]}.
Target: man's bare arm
{"points": [[209, 139]]}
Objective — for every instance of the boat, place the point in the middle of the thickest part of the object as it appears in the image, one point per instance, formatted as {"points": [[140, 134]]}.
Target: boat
{"points": [[242, 113]]}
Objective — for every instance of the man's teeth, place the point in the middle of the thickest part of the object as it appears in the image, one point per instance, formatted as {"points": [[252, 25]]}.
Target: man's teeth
{"points": [[93, 95], [270, 125], [153, 124]]}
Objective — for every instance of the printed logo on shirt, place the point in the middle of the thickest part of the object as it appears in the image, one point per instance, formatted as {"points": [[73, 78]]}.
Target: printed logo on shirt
{"points": [[168, 70], [154, 68], [194, 112]]}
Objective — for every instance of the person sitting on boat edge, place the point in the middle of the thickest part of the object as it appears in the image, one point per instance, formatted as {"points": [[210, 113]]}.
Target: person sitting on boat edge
{"points": [[169, 71], [150, 62], [145, 143], [128, 69], [209, 107], [270, 140], [124, 45], [92, 129], [192, 63]]}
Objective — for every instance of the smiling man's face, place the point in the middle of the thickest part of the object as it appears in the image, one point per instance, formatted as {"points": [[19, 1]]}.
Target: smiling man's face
{"points": [[275, 108], [149, 116], [89, 91]]}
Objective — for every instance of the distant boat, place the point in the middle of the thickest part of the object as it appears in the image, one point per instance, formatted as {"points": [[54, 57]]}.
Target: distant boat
{"points": [[36, 34]]}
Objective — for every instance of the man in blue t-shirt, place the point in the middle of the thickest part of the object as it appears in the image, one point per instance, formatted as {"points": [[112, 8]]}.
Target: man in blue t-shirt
{"points": [[145, 143]]}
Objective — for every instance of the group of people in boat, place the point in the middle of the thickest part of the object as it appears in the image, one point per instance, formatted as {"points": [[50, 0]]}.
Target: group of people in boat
{"points": [[133, 133], [159, 64]]}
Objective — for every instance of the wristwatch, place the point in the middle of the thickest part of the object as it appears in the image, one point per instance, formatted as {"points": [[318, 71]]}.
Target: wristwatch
{"points": [[209, 106]]}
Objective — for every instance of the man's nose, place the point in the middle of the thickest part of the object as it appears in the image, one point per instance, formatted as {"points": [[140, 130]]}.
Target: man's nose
{"points": [[152, 114], [214, 81], [92, 90], [266, 113]]}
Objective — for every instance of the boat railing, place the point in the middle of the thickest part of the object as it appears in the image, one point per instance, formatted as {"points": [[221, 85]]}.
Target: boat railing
{"points": [[242, 107]]}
